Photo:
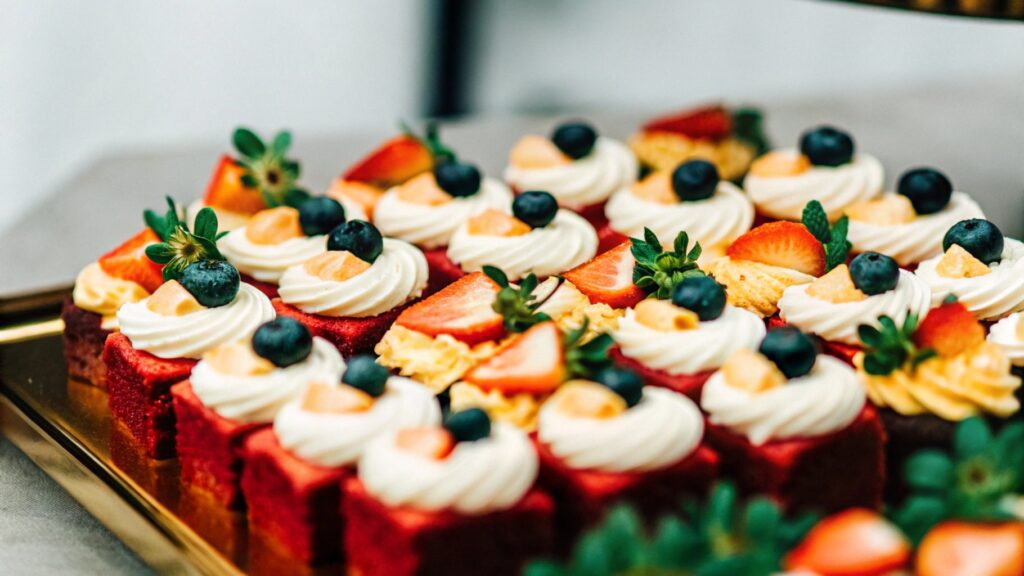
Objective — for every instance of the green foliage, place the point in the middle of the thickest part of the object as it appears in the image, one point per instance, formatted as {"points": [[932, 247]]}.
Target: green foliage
{"points": [[891, 347], [517, 305], [182, 247], [659, 271], [748, 126], [833, 237], [586, 357], [267, 169]]}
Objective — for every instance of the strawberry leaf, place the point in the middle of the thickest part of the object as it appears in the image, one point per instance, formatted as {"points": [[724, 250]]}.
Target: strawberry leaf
{"points": [[832, 238], [248, 143], [891, 347], [517, 305], [657, 271]]}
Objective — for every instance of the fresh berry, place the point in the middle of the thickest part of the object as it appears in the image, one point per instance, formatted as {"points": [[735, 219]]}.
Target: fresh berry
{"points": [[536, 208], [283, 341], [129, 262], [575, 140], [533, 363], [957, 548], [827, 146], [213, 282], [463, 310], [855, 542], [364, 373], [623, 382], [394, 162], [608, 278], [359, 237], [949, 329], [874, 273], [784, 244], [695, 180], [458, 178], [979, 237], [708, 123], [791, 350], [928, 189], [320, 215], [226, 190], [700, 294], [536, 152], [468, 425]]}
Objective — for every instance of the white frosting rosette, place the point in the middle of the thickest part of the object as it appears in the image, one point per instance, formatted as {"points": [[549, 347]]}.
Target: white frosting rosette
{"points": [[839, 322], [397, 276], [190, 335], [836, 187], [1004, 335], [103, 294], [267, 262], [989, 297], [482, 476], [826, 400], [584, 182], [228, 220]]}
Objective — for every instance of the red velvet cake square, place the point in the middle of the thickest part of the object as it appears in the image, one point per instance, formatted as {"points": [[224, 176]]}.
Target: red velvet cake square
{"points": [[210, 447], [139, 387], [442, 270], [83, 344], [689, 385], [270, 290], [402, 541], [826, 473], [840, 350], [607, 238], [292, 503], [350, 336]]}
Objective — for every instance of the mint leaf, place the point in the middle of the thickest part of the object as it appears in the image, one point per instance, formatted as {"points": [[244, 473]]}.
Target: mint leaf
{"points": [[815, 220], [838, 247]]}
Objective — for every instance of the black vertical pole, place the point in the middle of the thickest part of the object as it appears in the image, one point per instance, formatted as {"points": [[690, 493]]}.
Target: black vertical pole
{"points": [[447, 88]]}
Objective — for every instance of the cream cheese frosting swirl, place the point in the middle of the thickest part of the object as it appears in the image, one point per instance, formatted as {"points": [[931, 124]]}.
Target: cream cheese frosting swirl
{"points": [[565, 243], [584, 182], [256, 398], [477, 477], [839, 322], [430, 226], [835, 187], [229, 220], [332, 440], [826, 400], [103, 294], [267, 262], [397, 276], [190, 335], [989, 297], [714, 222], [916, 240], [706, 347], [661, 430], [1005, 335]]}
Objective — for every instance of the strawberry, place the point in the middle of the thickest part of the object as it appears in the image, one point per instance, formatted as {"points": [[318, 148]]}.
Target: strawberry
{"points": [[394, 162], [463, 309], [961, 549], [854, 542], [608, 278], [226, 190], [949, 329], [783, 244], [129, 261], [707, 123], [534, 363]]}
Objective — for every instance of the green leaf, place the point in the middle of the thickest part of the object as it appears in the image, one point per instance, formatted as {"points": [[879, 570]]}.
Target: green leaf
{"points": [[815, 220], [972, 437], [918, 514], [206, 223], [249, 181], [652, 240], [159, 253], [838, 247], [248, 143], [875, 367], [929, 470], [496, 274], [295, 197], [747, 126], [282, 141], [869, 335], [762, 519]]}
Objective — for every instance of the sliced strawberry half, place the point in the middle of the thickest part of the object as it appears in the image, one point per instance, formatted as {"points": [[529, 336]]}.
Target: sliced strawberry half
{"points": [[706, 123], [949, 329], [463, 310], [784, 244], [129, 261], [608, 278], [394, 162], [532, 364], [961, 549], [855, 542], [226, 190]]}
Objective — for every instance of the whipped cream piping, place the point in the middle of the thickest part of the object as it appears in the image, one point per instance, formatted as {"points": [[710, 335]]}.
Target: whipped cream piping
{"points": [[989, 297], [836, 188], [267, 262], [584, 182], [103, 294], [1004, 335]]}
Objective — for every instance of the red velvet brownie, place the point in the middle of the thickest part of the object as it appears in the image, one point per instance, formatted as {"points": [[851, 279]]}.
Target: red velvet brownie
{"points": [[350, 336], [269, 289], [83, 338], [689, 385], [442, 270]]}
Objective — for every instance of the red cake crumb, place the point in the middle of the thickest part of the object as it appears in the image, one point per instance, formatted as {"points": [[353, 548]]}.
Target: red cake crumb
{"points": [[210, 447], [608, 238], [825, 473], [292, 503], [689, 385], [594, 214], [442, 270], [139, 387], [350, 336], [270, 290], [839, 350], [83, 344], [403, 541]]}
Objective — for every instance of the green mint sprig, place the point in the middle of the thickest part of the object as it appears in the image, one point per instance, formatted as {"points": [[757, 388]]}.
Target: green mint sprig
{"points": [[181, 247], [659, 271], [584, 357], [517, 305], [833, 237], [267, 169], [891, 347]]}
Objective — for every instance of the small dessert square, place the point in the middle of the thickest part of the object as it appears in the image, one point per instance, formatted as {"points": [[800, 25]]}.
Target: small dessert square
{"points": [[83, 338], [350, 336], [442, 270]]}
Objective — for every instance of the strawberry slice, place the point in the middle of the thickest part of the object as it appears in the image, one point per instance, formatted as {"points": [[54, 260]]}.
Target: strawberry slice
{"points": [[961, 549], [226, 190], [706, 123], [949, 329], [462, 310], [394, 162], [784, 244], [129, 261], [532, 364], [608, 278], [854, 542]]}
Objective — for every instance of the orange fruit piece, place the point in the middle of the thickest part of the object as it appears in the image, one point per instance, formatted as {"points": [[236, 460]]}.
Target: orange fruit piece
{"points": [[608, 278], [962, 549], [587, 399], [172, 299], [750, 371], [327, 399], [836, 287], [949, 329], [394, 162], [226, 190], [783, 244], [493, 222], [423, 189], [363, 194], [129, 261], [536, 152], [274, 226], [889, 210], [433, 443], [959, 263], [533, 363], [336, 265], [780, 164], [462, 310], [237, 358], [854, 542], [656, 187]]}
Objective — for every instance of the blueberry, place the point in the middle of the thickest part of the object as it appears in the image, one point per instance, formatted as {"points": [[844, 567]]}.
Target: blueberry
{"points": [[700, 294], [575, 139], [468, 425], [827, 146], [364, 373], [283, 341], [979, 237], [928, 189], [874, 273], [359, 237], [537, 209], [695, 180], [457, 178], [625, 383], [212, 282], [320, 215], [792, 351]]}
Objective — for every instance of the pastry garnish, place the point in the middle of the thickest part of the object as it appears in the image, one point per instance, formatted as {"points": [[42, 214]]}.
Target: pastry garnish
{"points": [[284, 341], [657, 270], [468, 425], [336, 266], [832, 237], [928, 190], [587, 399], [323, 398], [172, 299], [751, 371], [836, 287], [873, 273], [536, 152], [959, 263], [792, 351], [359, 238], [268, 169], [364, 373], [780, 164], [537, 209], [237, 359], [888, 210], [827, 146], [517, 305], [273, 226], [431, 443], [891, 347], [981, 238], [182, 247], [532, 363], [493, 222], [664, 316]]}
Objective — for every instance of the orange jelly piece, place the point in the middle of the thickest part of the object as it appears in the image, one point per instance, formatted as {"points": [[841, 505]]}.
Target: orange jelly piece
{"points": [[172, 299], [336, 265], [433, 443], [778, 164], [656, 188], [536, 152], [363, 194], [326, 399], [492, 222], [423, 189], [274, 226]]}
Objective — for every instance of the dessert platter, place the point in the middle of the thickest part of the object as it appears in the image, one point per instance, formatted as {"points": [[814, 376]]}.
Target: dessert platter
{"points": [[682, 352]]}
